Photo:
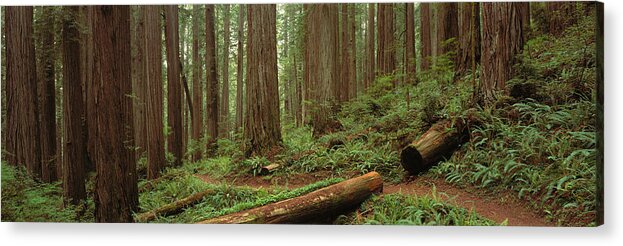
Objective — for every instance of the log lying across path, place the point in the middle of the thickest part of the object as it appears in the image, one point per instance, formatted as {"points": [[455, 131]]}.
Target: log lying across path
{"points": [[327, 201], [174, 207], [433, 146]]}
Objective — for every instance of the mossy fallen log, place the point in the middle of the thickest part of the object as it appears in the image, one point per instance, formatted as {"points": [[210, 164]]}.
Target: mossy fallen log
{"points": [[174, 207], [328, 201]]}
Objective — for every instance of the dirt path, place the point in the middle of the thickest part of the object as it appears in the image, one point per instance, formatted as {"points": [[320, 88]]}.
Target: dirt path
{"points": [[499, 208]]}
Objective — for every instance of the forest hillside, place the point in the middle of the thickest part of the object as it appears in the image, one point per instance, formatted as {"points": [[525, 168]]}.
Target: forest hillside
{"points": [[413, 114]]}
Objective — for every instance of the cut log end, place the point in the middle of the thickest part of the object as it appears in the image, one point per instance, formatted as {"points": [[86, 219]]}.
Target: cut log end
{"points": [[411, 160]]}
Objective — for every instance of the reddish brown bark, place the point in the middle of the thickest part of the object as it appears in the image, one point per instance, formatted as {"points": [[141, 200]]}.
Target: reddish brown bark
{"points": [[240, 70], [73, 110], [197, 128], [262, 129], [447, 28], [116, 191], [174, 85], [224, 105], [22, 133], [469, 37], [410, 43], [211, 83], [153, 80], [370, 61], [425, 37], [502, 39], [386, 53], [47, 99]]}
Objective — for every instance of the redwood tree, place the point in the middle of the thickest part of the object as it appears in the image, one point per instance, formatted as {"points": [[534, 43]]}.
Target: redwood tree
{"points": [[262, 129], [321, 56], [174, 85], [47, 98], [116, 191], [22, 126], [153, 76], [469, 37], [386, 53], [211, 82], [370, 61], [502, 38], [73, 109], [224, 123], [410, 42], [239, 69], [447, 27], [197, 120], [425, 37]]}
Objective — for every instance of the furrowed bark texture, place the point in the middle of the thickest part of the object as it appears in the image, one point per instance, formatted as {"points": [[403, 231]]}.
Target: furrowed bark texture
{"points": [[116, 195], [262, 129], [469, 37], [197, 121], [425, 36], [47, 99], [211, 83], [174, 85]]}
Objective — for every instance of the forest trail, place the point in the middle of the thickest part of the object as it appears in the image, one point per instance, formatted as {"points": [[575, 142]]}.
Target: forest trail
{"points": [[502, 206], [498, 208]]}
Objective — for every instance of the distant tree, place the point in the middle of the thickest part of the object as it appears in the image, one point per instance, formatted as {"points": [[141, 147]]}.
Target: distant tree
{"points": [[197, 128], [239, 69], [22, 141], [410, 42], [370, 61], [560, 15], [116, 191], [224, 122], [469, 37], [262, 129], [211, 82], [447, 27], [386, 53], [153, 77], [341, 92], [73, 109], [174, 85], [502, 39], [425, 36], [47, 98]]}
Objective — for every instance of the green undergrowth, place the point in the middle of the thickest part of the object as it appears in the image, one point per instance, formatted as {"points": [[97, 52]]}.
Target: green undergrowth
{"points": [[398, 209], [25, 200], [226, 199], [542, 143]]}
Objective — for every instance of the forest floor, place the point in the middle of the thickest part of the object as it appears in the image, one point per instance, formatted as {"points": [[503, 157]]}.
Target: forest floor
{"points": [[500, 207]]}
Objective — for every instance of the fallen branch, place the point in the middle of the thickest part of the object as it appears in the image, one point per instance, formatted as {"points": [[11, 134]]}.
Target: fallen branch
{"points": [[327, 201], [174, 207]]}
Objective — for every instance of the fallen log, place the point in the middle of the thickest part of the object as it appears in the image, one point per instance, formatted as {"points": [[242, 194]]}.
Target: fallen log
{"points": [[268, 169], [174, 207], [433, 146], [324, 202]]}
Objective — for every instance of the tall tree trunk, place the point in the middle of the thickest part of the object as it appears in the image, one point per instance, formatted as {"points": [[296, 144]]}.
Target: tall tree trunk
{"points": [[116, 191], [211, 83], [23, 139], [90, 123], [386, 53], [47, 99], [73, 110], [352, 93], [370, 61], [502, 39], [140, 87], [262, 128], [341, 92], [239, 69], [447, 28], [425, 37], [197, 131], [174, 86], [153, 77], [410, 43], [321, 59], [469, 37], [224, 124]]}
